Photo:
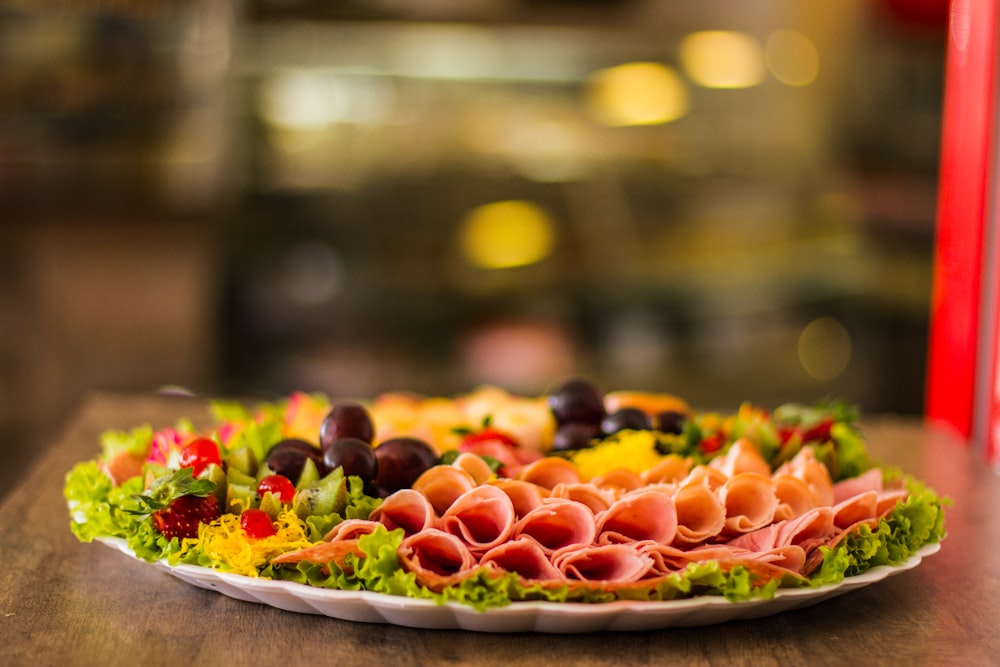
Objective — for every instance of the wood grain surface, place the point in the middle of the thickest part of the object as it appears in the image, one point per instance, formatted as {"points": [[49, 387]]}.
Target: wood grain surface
{"points": [[67, 603]]}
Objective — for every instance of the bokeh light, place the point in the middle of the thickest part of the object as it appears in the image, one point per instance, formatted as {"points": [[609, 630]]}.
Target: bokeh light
{"points": [[824, 348], [506, 234], [722, 59], [638, 93], [791, 57]]}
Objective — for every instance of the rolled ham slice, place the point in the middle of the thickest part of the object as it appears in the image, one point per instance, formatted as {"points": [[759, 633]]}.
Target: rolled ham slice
{"points": [[558, 523], [524, 495], [750, 502], [741, 457], [646, 514], [700, 513], [524, 557], [870, 480], [407, 509], [593, 497], [671, 469], [436, 558], [482, 517], [861, 507], [349, 529], [619, 481], [794, 497], [805, 466], [606, 563], [442, 485], [550, 471]]}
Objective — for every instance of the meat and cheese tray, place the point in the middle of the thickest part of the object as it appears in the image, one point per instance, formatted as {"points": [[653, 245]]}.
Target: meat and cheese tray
{"points": [[572, 511]]}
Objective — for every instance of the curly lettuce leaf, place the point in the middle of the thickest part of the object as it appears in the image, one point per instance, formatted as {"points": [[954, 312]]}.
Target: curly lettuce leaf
{"points": [[97, 507]]}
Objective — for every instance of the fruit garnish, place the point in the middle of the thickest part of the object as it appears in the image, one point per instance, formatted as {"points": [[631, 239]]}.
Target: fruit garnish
{"points": [[279, 486], [199, 454], [178, 503], [257, 523]]}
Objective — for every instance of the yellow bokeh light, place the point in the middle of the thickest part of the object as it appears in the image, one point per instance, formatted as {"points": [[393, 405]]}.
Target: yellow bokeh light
{"points": [[639, 93], [792, 57], [506, 234], [824, 348], [722, 59]]}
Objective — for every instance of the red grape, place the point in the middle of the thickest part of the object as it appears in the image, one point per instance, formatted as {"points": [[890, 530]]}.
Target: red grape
{"points": [[401, 461]]}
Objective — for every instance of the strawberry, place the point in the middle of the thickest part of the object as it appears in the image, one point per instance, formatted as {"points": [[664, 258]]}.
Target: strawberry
{"points": [[488, 434], [178, 503]]}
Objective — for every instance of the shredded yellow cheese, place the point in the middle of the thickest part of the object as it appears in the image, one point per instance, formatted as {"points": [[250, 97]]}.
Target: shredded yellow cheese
{"points": [[225, 542], [631, 450]]}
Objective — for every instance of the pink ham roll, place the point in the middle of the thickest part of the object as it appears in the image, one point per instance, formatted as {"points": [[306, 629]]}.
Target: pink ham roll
{"points": [[644, 514], [406, 509], [524, 557], [482, 517], [607, 563], [558, 523], [700, 513], [750, 502]]}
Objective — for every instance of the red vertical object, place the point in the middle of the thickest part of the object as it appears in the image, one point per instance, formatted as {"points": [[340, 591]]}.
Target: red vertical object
{"points": [[960, 368]]}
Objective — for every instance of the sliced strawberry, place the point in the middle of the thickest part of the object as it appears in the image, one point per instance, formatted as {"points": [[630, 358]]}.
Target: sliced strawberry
{"points": [[178, 502], [818, 432], [183, 515]]}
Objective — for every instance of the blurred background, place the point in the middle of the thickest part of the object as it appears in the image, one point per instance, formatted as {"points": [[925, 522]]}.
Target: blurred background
{"points": [[726, 200]]}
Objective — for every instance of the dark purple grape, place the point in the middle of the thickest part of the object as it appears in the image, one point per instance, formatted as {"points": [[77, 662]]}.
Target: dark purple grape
{"points": [[671, 421], [626, 418], [574, 436], [577, 401], [346, 420], [401, 461], [354, 456], [288, 457]]}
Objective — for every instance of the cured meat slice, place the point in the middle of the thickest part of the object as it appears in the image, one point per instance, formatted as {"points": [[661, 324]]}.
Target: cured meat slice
{"points": [[794, 497], [861, 507], [407, 509], [436, 558], [482, 517], [750, 502], [700, 513], [713, 477], [806, 467], [524, 495], [888, 499], [741, 457], [558, 523], [672, 468], [617, 563], [618, 480], [549, 471], [323, 553], [596, 499], [806, 530], [475, 465], [442, 485], [523, 556], [645, 514], [351, 529], [870, 480]]}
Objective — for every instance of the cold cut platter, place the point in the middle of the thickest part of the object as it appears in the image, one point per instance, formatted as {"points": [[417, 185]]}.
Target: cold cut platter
{"points": [[572, 511]]}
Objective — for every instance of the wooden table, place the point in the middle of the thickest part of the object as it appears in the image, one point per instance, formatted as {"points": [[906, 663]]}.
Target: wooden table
{"points": [[67, 603]]}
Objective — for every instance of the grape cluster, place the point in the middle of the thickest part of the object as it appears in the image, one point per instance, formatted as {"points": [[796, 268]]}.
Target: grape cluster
{"points": [[346, 439], [581, 417]]}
